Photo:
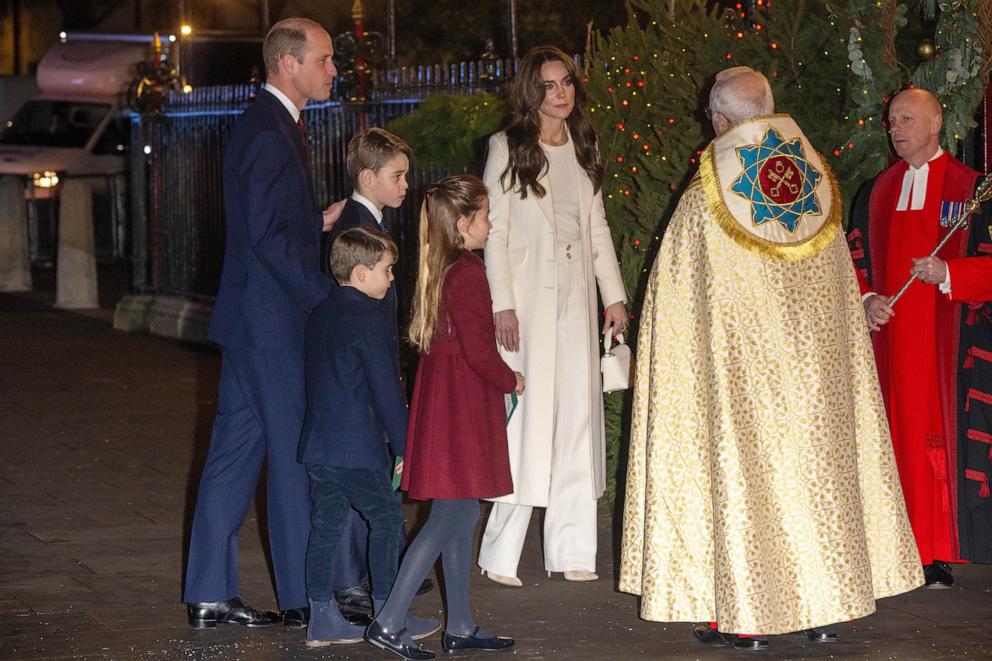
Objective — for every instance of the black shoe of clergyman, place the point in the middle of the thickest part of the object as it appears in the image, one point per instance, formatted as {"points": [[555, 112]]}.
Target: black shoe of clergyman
{"points": [[751, 644], [938, 575], [712, 637], [452, 643], [296, 617], [425, 587], [818, 635], [206, 615]]}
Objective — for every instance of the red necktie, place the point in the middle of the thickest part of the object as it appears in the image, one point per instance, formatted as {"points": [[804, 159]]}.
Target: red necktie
{"points": [[303, 132]]}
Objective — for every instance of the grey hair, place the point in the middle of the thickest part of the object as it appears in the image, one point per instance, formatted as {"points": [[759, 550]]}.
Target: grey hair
{"points": [[740, 93], [287, 37]]}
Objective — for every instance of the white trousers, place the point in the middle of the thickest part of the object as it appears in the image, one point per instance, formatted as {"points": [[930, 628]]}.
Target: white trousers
{"points": [[570, 519]]}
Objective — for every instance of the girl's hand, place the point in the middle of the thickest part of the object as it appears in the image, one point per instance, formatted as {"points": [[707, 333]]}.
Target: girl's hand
{"points": [[520, 383], [507, 330], [616, 319]]}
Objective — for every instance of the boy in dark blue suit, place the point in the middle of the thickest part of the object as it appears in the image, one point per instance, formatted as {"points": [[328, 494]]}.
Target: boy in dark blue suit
{"points": [[355, 401]]}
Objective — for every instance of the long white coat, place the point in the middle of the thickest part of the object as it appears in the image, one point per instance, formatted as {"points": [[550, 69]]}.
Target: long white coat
{"points": [[522, 267]]}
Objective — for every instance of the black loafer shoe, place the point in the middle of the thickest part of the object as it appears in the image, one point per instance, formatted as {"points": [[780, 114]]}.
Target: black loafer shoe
{"points": [[206, 615], [712, 637], [356, 600], [452, 643], [751, 644], [425, 587], [393, 642], [296, 617], [938, 576]]}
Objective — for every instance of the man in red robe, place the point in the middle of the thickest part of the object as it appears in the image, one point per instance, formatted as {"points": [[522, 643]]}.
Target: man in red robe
{"points": [[934, 347]]}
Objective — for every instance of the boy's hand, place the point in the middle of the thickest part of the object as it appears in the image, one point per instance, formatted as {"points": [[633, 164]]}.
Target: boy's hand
{"points": [[520, 383], [332, 213]]}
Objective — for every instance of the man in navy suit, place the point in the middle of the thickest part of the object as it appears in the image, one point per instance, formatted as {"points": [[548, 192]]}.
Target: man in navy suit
{"points": [[270, 283]]}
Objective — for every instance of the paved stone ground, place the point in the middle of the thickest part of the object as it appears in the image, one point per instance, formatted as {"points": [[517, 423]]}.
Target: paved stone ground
{"points": [[102, 436]]}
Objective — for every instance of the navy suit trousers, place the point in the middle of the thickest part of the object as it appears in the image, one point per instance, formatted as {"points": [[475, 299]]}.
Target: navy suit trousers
{"points": [[259, 416]]}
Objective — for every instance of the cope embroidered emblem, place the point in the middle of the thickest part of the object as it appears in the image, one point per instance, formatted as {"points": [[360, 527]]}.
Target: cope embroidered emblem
{"points": [[778, 181]]}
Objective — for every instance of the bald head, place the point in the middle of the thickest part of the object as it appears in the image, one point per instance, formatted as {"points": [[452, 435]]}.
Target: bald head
{"points": [[915, 120], [739, 93]]}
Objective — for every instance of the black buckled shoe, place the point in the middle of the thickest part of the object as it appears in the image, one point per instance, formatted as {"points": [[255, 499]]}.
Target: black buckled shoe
{"points": [[206, 615], [453, 644], [707, 635], [377, 636], [938, 575], [296, 617]]}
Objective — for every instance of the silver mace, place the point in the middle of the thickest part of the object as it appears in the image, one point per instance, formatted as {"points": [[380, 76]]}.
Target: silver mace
{"points": [[982, 194]]}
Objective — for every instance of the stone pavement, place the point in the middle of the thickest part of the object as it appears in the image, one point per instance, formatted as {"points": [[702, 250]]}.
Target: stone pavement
{"points": [[102, 436]]}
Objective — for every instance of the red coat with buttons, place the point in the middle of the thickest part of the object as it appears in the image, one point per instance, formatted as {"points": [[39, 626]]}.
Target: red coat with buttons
{"points": [[456, 440]]}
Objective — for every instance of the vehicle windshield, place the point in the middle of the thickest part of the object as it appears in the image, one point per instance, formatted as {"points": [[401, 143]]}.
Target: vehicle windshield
{"points": [[43, 123]]}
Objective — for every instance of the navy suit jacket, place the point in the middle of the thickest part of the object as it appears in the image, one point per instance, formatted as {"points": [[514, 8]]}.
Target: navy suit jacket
{"points": [[271, 278], [355, 400]]}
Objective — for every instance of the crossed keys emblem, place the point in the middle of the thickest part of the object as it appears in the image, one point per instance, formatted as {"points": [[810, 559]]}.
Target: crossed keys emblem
{"points": [[780, 176]]}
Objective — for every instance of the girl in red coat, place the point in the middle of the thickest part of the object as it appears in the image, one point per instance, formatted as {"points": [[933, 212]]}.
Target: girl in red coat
{"points": [[456, 442]]}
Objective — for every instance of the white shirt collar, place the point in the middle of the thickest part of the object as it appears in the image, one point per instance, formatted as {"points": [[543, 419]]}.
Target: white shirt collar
{"points": [[364, 201], [914, 185], [290, 106]]}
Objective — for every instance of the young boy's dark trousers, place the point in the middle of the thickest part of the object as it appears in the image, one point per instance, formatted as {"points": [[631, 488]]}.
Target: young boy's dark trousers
{"points": [[333, 492]]}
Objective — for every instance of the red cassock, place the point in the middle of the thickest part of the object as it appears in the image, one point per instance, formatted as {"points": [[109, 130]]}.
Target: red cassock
{"points": [[919, 352], [456, 440]]}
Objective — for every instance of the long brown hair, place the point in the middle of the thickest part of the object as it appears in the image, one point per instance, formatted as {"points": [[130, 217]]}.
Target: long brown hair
{"points": [[458, 196], [527, 160]]}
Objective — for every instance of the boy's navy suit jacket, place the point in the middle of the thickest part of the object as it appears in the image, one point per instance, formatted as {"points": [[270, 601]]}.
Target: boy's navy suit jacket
{"points": [[355, 400]]}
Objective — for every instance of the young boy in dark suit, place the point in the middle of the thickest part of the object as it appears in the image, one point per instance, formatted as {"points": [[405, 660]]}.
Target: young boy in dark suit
{"points": [[355, 401]]}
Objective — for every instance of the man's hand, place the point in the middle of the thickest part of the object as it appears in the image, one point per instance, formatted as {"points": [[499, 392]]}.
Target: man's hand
{"points": [[931, 270], [877, 311], [616, 319], [332, 213], [507, 330]]}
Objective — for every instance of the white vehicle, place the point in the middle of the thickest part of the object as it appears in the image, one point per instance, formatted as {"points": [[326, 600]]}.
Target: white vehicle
{"points": [[76, 126]]}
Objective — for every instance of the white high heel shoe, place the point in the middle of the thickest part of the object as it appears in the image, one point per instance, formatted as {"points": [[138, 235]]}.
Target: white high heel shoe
{"points": [[579, 575], [508, 581]]}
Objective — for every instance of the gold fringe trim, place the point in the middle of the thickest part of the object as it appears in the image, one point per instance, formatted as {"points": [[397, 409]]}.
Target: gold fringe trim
{"points": [[808, 247]]}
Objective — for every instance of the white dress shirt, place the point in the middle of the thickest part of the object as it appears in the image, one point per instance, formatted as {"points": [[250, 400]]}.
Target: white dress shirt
{"points": [[290, 106], [365, 202]]}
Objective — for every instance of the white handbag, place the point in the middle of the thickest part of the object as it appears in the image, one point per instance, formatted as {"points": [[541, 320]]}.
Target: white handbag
{"points": [[615, 364]]}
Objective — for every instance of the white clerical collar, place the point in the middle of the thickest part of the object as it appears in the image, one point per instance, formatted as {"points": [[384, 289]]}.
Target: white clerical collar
{"points": [[914, 183], [364, 201], [290, 106]]}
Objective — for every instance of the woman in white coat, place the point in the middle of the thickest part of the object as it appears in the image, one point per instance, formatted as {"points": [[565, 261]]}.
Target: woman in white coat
{"points": [[548, 250]]}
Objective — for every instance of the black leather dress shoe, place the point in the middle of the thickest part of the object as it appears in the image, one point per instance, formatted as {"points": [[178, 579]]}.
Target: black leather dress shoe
{"points": [[712, 637], [938, 575], [356, 600], [453, 644], [296, 617], [393, 642], [751, 644], [206, 615], [425, 587]]}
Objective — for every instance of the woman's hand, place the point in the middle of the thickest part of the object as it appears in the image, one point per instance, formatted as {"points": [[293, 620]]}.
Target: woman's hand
{"points": [[507, 330], [519, 389], [616, 319]]}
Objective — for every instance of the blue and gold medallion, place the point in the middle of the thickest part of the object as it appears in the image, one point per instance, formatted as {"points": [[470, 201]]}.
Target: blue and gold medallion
{"points": [[778, 181], [769, 189]]}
